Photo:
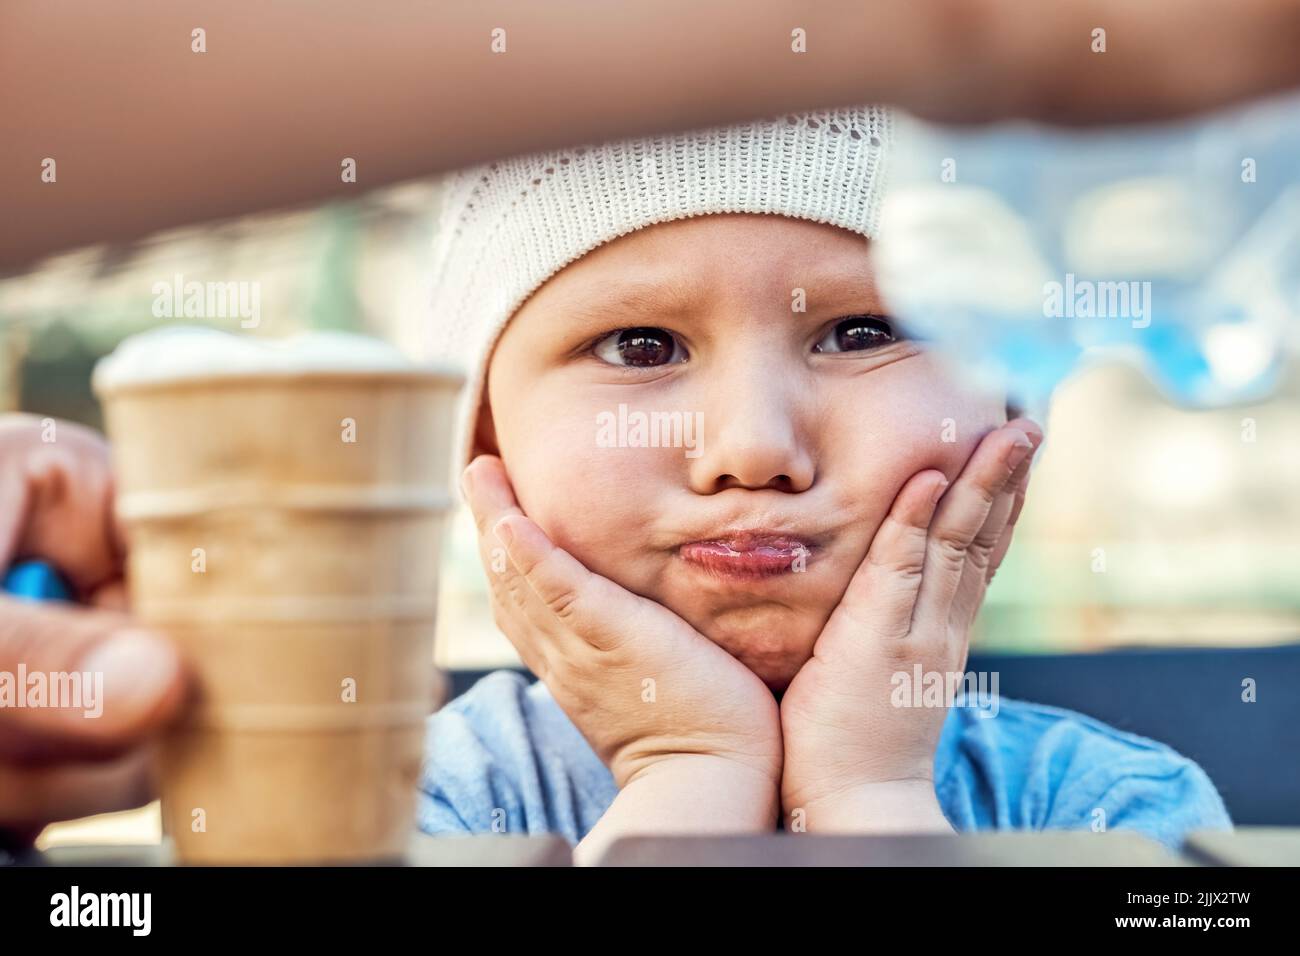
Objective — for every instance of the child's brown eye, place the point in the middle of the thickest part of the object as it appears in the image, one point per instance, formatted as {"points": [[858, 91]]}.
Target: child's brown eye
{"points": [[639, 348], [858, 333]]}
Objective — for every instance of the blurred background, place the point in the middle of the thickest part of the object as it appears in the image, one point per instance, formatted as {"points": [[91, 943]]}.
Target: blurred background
{"points": [[1146, 524]]}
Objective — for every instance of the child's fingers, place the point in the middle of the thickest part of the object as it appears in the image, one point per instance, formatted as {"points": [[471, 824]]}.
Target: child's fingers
{"points": [[588, 605], [994, 538], [564, 606], [488, 492], [960, 516], [990, 545], [490, 498], [979, 556], [882, 594], [518, 612], [1004, 543]]}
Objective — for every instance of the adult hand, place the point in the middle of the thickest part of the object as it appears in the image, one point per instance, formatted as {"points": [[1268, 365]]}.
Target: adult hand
{"points": [[56, 763]]}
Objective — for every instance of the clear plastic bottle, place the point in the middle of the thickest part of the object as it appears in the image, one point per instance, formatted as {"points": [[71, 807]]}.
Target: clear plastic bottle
{"points": [[1025, 249]]}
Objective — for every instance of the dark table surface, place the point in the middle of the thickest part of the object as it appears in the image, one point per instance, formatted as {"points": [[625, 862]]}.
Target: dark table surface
{"points": [[1248, 846], [976, 849], [485, 850]]}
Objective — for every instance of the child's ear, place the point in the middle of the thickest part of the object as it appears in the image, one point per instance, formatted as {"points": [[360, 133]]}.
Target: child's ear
{"points": [[485, 433]]}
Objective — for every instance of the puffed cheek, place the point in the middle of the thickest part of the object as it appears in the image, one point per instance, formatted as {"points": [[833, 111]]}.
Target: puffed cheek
{"points": [[947, 449], [952, 458], [958, 441], [586, 526], [544, 467]]}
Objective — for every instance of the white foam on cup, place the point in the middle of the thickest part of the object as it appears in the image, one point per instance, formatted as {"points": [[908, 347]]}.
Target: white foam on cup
{"points": [[178, 352]]}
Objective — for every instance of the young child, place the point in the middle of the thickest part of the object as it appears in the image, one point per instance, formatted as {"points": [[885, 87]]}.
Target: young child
{"points": [[720, 521]]}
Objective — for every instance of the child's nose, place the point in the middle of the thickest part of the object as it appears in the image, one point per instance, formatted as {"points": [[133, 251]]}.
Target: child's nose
{"points": [[753, 438]]}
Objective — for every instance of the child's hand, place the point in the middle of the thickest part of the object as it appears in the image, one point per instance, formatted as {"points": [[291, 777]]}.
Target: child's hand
{"points": [[853, 760], [642, 685]]}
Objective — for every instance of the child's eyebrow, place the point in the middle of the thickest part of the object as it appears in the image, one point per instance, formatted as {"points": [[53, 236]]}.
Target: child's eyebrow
{"points": [[603, 302], [826, 289], [843, 287]]}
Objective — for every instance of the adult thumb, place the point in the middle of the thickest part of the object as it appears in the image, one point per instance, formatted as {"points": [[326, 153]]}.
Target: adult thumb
{"points": [[78, 684]]}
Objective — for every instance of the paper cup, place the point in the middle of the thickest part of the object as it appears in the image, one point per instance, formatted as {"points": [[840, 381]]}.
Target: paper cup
{"points": [[285, 532]]}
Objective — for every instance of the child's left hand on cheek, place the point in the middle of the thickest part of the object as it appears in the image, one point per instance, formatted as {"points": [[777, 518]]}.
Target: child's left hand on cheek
{"points": [[854, 761]]}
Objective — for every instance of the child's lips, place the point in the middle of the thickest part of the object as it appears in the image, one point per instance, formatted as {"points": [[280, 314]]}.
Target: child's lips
{"points": [[749, 554]]}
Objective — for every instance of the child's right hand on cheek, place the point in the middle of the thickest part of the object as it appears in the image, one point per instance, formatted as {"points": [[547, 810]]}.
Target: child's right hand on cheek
{"points": [[648, 692]]}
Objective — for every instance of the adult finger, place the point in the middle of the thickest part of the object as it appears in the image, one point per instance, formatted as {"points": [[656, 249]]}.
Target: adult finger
{"points": [[1029, 61], [35, 796], [15, 495], [111, 597], [56, 500], [117, 683]]}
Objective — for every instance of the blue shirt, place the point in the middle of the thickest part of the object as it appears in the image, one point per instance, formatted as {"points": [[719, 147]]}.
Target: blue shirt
{"points": [[504, 758]]}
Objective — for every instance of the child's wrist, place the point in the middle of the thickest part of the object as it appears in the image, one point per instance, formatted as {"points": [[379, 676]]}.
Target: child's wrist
{"points": [[761, 774], [893, 806], [686, 794], [715, 789]]}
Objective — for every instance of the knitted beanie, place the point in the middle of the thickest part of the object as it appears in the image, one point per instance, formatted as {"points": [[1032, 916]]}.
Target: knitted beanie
{"points": [[508, 226]]}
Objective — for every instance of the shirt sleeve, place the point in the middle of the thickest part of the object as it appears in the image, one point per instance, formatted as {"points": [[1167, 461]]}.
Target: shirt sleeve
{"points": [[502, 758], [435, 814], [1164, 797], [478, 752], [1037, 767], [1101, 778]]}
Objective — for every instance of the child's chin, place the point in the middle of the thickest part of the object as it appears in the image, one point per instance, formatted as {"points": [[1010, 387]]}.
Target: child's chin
{"points": [[775, 674], [774, 664], [778, 685]]}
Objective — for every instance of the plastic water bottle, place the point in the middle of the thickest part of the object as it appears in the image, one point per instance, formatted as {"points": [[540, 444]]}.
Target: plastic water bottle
{"points": [[35, 581], [1025, 250]]}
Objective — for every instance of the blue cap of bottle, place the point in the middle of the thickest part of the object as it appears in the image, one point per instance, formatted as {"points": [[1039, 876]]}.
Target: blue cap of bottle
{"points": [[36, 581]]}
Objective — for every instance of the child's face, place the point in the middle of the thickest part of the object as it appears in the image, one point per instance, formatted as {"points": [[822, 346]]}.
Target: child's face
{"points": [[812, 421]]}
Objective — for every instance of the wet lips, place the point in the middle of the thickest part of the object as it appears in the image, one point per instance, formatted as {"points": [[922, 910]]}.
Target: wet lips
{"points": [[748, 555]]}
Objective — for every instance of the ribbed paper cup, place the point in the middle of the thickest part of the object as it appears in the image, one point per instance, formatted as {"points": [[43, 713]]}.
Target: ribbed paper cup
{"points": [[285, 531]]}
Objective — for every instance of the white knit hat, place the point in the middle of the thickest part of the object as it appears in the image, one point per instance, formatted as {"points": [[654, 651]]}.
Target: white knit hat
{"points": [[508, 226]]}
